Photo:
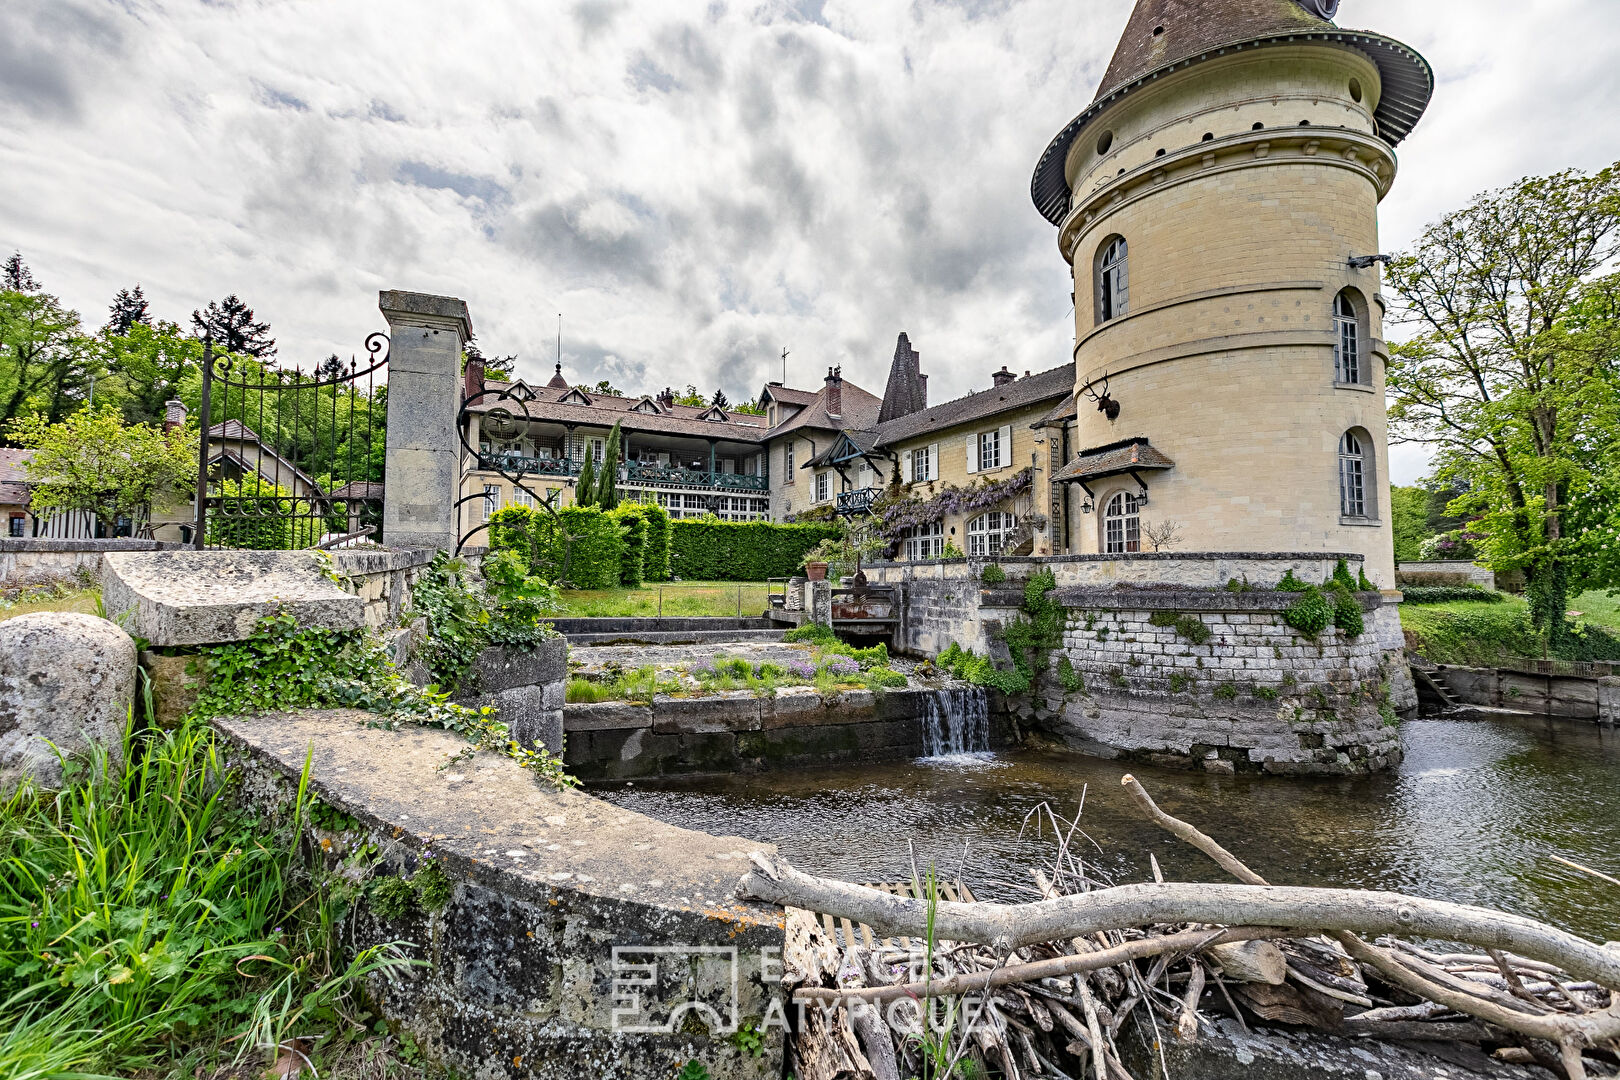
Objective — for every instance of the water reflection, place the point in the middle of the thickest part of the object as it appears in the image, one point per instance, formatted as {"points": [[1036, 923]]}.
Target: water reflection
{"points": [[1471, 816]]}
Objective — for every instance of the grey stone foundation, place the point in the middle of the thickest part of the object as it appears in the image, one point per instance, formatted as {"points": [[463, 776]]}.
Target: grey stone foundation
{"points": [[1256, 696]]}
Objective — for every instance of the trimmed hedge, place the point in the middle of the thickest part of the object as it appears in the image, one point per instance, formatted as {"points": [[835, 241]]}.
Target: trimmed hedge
{"points": [[633, 520], [597, 558], [655, 557], [1446, 594], [707, 549]]}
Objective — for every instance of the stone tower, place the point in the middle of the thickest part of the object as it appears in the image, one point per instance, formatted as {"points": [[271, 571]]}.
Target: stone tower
{"points": [[1218, 203]]}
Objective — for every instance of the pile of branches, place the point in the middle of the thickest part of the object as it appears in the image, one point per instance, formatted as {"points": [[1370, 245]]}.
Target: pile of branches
{"points": [[1044, 989]]}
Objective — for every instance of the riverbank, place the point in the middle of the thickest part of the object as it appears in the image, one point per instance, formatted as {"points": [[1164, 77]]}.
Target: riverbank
{"points": [[1471, 634]]}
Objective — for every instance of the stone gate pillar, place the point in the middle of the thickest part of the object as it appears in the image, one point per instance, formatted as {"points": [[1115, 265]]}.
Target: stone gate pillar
{"points": [[423, 467]]}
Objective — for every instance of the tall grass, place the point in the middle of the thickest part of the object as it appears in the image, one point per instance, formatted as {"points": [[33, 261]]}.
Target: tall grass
{"points": [[140, 907]]}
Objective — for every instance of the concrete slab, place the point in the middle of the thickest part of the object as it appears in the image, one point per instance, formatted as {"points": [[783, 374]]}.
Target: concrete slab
{"points": [[207, 597]]}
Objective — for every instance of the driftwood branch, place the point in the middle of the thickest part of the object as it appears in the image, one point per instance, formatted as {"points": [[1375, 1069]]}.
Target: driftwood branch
{"points": [[1006, 927], [1039, 969]]}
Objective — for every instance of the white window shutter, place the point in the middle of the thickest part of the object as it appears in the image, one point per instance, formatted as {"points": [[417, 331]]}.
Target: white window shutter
{"points": [[1004, 447], [905, 466], [933, 461], [973, 453]]}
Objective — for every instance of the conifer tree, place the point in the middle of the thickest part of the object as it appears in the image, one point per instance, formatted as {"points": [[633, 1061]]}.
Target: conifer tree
{"points": [[129, 308], [234, 329], [607, 485]]}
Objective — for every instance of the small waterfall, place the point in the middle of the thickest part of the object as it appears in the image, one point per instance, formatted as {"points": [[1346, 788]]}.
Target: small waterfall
{"points": [[957, 721]]}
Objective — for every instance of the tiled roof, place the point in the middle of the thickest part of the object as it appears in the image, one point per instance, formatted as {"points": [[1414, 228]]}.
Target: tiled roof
{"points": [[13, 493], [1019, 394], [787, 395], [236, 431], [860, 413], [1163, 34], [1112, 460], [359, 489], [11, 464], [861, 442], [1186, 28], [1067, 409], [607, 409]]}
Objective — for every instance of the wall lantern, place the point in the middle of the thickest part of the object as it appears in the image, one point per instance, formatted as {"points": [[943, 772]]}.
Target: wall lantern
{"points": [[1088, 507], [1142, 499]]}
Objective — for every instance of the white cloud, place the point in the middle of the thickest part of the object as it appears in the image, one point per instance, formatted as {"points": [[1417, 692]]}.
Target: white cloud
{"points": [[694, 184]]}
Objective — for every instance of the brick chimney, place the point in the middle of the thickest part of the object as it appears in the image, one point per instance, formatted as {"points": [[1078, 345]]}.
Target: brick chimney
{"points": [[666, 399], [835, 391], [473, 377], [922, 383], [1003, 377], [174, 415]]}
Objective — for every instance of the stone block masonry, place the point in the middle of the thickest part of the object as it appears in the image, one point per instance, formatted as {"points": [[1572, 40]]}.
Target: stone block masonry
{"points": [[574, 939], [1254, 695], [426, 334]]}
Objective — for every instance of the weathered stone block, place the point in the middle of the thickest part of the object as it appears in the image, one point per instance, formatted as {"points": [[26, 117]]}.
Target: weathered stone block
{"points": [[206, 597], [66, 680], [502, 667], [607, 716], [1608, 701], [737, 710]]}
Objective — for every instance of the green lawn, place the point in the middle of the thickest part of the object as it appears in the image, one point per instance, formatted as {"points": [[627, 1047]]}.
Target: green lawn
{"points": [[51, 600], [1484, 635], [684, 598]]}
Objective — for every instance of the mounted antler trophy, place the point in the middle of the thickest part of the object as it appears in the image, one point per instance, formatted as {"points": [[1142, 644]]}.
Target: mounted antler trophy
{"points": [[1105, 404]]}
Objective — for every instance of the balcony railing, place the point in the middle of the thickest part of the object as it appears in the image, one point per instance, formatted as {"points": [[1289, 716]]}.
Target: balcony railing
{"points": [[857, 502], [634, 473], [670, 476], [516, 463]]}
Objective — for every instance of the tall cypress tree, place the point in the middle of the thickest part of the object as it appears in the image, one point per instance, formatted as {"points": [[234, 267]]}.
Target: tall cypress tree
{"points": [[607, 487], [585, 486]]}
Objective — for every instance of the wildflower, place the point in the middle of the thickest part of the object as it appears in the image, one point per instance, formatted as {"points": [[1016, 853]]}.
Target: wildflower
{"points": [[34, 924]]}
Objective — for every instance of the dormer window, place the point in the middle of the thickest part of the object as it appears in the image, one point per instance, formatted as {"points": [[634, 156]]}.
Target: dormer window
{"points": [[521, 391], [574, 397], [646, 406], [715, 414]]}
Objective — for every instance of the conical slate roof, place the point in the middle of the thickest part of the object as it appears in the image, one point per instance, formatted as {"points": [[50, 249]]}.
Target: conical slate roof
{"points": [[904, 393], [1167, 35], [557, 381], [1164, 32]]}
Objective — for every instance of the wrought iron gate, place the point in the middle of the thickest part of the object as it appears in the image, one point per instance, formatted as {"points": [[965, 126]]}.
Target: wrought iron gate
{"points": [[291, 460]]}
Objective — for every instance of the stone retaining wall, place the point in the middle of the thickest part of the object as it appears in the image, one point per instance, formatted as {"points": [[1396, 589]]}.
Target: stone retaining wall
{"points": [[1256, 696], [39, 562], [740, 732], [527, 687], [382, 578], [576, 939]]}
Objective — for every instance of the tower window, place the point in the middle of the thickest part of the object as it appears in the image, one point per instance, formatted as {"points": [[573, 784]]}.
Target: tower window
{"points": [[1209, 136], [1113, 280], [1355, 475], [1122, 525], [1258, 127], [1349, 340], [1355, 91], [1105, 142]]}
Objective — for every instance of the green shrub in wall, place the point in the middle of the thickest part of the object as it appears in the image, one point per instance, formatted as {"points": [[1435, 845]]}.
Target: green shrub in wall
{"points": [[1347, 614], [708, 549], [632, 519], [655, 554], [1341, 575], [993, 575], [1311, 613]]}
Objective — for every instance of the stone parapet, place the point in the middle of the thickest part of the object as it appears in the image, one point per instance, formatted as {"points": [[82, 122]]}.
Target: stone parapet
{"points": [[41, 561], [575, 938]]}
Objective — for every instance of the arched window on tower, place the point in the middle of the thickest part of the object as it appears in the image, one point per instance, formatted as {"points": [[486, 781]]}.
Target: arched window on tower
{"points": [[1350, 339], [1356, 488], [1122, 525], [1113, 279]]}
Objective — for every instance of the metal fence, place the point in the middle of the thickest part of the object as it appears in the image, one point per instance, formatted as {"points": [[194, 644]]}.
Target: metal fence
{"points": [[287, 459]]}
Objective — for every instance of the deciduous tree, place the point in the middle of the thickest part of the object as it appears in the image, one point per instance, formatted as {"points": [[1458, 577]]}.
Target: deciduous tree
{"points": [[1509, 375], [46, 362], [95, 462]]}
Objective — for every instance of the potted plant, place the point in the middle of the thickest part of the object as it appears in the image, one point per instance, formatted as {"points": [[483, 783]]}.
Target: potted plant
{"points": [[815, 570]]}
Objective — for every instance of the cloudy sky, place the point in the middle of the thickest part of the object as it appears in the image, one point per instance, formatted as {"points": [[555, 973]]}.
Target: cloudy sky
{"points": [[694, 185]]}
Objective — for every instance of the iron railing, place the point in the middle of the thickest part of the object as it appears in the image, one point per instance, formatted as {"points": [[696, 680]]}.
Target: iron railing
{"points": [[632, 473], [288, 460]]}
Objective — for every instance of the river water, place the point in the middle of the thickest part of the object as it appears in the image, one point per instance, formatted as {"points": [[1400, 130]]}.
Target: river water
{"points": [[1471, 816]]}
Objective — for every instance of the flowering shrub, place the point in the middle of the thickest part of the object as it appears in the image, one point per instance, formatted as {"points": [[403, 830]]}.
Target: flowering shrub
{"points": [[840, 665], [898, 514]]}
